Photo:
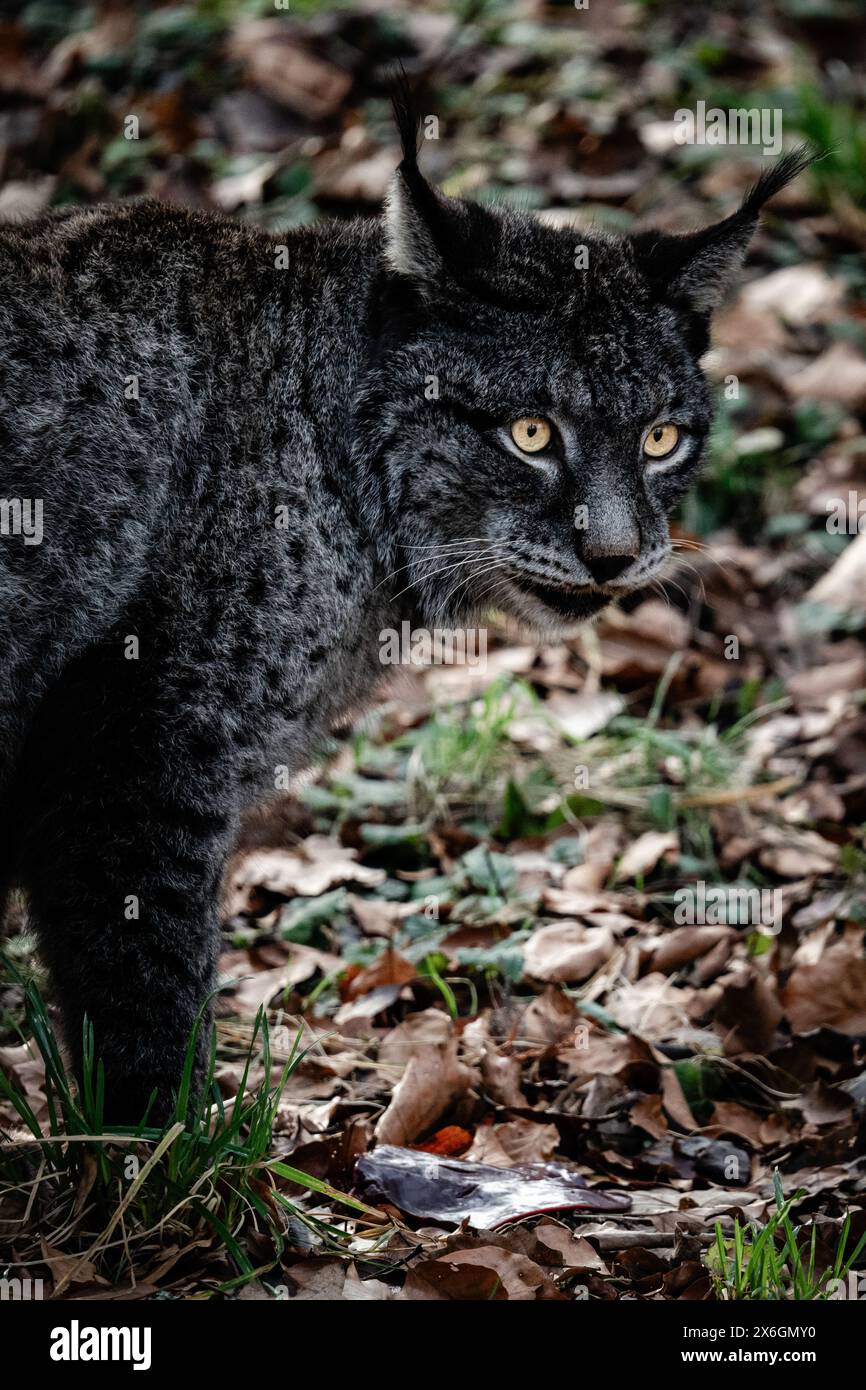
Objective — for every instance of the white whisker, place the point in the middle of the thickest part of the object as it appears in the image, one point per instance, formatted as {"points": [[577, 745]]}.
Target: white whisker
{"points": [[431, 574]]}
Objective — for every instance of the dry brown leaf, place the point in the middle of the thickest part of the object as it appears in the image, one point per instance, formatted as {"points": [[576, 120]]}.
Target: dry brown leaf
{"points": [[378, 916], [648, 1115], [319, 863], [438, 1280], [432, 1082], [601, 846], [429, 1028], [582, 715], [279, 66], [354, 1018], [501, 1077], [826, 1105], [839, 374], [652, 620], [827, 984], [675, 1102], [576, 902], [575, 1254], [748, 1013], [847, 672], [652, 1007], [629, 656], [356, 175], [548, 1019], [72, 1268], [318, 1278], [486, 1148], [684, 944], [729, 1117], [567, 951], [389, 968], [739, 323], [23, 1065], [520, 1278], [791, 852], [601, 1054], [843, 587], [260, 988], [642, 856], [799, 294], [521, 1141]]}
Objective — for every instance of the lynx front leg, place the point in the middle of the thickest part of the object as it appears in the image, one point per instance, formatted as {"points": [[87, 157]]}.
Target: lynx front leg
{"points": [[129, 828], [139, 964]]}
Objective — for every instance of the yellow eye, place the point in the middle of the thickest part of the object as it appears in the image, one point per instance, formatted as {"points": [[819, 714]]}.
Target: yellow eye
{"points": [[661, 440], [531, 434]]}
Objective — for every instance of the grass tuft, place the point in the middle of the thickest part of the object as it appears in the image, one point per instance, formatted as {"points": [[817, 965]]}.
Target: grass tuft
{"points": [[778, 1261], [116, 1200]]}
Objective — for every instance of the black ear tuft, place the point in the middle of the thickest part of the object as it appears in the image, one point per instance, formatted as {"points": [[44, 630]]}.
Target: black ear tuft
{"points": [[696, 270], [418, 220], [405, 115], [773, 180]]}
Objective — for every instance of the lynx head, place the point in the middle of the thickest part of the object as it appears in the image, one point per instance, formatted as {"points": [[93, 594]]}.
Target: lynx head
{"points": [[534, 408]]}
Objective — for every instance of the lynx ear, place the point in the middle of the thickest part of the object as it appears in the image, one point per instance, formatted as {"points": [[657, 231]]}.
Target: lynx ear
{"points": [[696, 270], [409, 245], [420, 224]]}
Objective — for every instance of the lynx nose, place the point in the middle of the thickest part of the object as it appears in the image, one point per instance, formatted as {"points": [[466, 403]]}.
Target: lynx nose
{"points": [[604, 568], [608, 535]]}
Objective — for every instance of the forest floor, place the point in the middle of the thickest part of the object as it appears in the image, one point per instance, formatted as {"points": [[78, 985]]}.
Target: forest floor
{"points": [[589, 917]]}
